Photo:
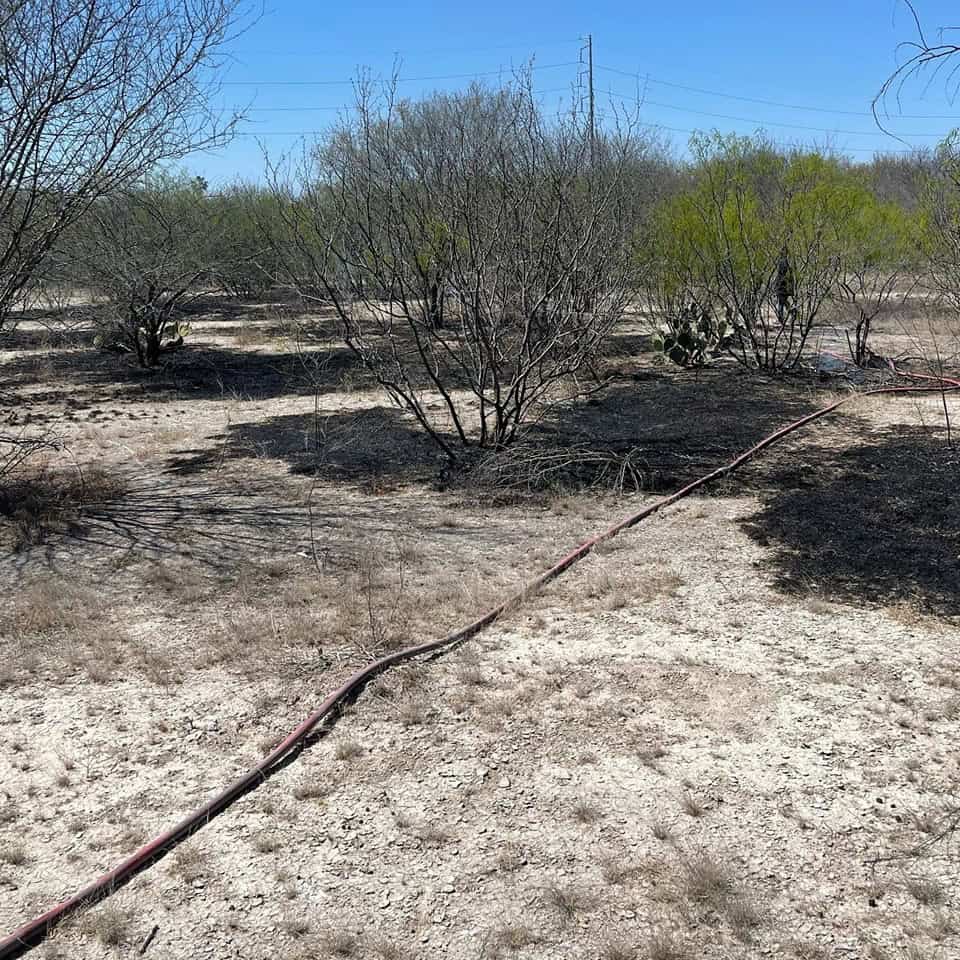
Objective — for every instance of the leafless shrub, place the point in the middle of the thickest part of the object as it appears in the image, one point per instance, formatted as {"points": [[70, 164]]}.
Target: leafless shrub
{"points": [[95, 95], [410, 199]]}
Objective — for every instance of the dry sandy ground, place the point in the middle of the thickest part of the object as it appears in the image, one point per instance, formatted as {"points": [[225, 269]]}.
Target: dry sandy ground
{"points": [[731, 732]]}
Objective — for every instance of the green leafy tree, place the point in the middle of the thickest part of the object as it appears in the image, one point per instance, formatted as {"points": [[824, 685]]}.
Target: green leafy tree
{"points": [[749, 244]]}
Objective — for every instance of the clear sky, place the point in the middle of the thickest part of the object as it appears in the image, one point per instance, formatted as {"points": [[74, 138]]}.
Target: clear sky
{"points": [[696, 64]]}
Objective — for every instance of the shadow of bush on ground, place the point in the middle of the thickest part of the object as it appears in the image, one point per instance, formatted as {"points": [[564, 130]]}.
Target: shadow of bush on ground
{"points": [[200, 372], [372, 444], [877, 523], [669, 427]]}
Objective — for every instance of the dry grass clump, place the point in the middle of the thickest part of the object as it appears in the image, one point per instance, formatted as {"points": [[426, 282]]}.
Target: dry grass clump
{"points": [[709, 883], [510, 858], [567, 900], [9, 811], [313, 789], [340, 943], [617, 949], [189, 862], [663, 945], [295, 925], [109, 923], [347, 749], [48, 604], [650, 755], [14, 854], [510, 937], [387, 949], [616, 871], [926, 891], [413, 711], [266, 842], [661, 831], [584, 811], [51, 501]]}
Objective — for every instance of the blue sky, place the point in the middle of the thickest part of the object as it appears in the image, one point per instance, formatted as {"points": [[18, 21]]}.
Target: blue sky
{"points": [[689, 60]]}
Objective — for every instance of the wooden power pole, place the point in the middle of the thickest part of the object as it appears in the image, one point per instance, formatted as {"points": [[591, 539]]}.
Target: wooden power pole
{"points": [[593, 134]]}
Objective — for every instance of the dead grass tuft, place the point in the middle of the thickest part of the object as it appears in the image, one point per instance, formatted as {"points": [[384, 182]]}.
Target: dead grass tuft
{"points": [[266, 842], [510, 858], [926, 891], [661, 831], [711, 884], [347, 749], [312, 789], [189, 862], [585, 812], [663, 945], [511, 936], [616, 871], [340, 943], [47, 502], [617, 949], [14, 854], [567, 900], [109, 923]]}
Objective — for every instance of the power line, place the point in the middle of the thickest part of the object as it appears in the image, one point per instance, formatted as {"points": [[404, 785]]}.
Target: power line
{"points": [[335, 83], [764, 123], [518, 45], [769, 103], [353, 106], [785, 146]]}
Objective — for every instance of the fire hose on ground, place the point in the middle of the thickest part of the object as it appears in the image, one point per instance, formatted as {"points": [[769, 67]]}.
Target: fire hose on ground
{"points": [[35, 931]]}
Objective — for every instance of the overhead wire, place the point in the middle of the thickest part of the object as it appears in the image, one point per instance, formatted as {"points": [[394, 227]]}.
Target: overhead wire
{"points": [[447, 76], [647, 79]]}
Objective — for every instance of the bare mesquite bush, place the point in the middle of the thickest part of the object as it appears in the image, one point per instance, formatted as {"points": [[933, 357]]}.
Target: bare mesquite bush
{"points": [[95, 93], [144, 252], [941, 239], [471, 248]]}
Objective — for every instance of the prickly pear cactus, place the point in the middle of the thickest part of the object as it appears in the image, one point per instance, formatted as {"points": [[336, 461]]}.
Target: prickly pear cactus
{"points": [[694, 337]]}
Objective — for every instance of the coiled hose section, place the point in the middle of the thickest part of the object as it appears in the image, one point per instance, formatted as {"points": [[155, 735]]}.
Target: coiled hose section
{"points": [[33, 932]]}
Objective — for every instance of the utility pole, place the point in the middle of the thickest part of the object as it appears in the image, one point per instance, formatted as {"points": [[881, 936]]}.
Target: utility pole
{"points": [[593, 134]]}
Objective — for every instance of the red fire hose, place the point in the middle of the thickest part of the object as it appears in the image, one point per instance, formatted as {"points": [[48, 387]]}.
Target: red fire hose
{"points": [[33, 932]]}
